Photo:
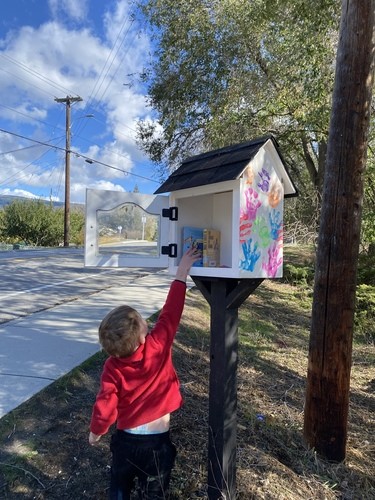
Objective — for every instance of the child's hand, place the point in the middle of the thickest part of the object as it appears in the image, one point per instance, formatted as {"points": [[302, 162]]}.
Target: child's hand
{"points": [[187, 260], [93, 438]]}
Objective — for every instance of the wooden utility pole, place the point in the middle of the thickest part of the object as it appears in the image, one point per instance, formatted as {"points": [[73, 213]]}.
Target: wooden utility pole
{"points": [[330, 352], [67, 101]]}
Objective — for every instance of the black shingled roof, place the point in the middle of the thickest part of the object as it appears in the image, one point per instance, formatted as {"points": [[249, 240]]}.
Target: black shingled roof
{"points": [[224, 164]]}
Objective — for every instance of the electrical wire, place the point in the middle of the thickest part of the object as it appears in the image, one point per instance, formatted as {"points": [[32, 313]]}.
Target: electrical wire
{"points": [[87, 158], [31, 117], [18, 175], [95, 91], [35, 73], [75, 134]]}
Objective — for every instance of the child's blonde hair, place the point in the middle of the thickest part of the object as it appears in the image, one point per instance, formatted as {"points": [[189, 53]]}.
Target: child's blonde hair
{"points": [[119, 331]]}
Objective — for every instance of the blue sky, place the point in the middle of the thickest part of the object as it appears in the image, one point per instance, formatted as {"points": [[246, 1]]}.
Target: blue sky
{"points": [[52, 49]]}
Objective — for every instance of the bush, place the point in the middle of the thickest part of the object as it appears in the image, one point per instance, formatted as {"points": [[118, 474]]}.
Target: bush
{"points": [[365, 314], [36, 222], [366, 268], [298, 275]]}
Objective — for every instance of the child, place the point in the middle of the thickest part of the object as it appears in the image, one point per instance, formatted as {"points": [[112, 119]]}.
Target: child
{"points": [[139, 389]]}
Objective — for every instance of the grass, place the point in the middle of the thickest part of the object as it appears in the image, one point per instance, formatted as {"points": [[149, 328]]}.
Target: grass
{"points": [[44, 451]]}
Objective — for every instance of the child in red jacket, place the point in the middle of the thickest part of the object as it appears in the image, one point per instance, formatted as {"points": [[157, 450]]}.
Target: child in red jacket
{"points": [[139, 389]]}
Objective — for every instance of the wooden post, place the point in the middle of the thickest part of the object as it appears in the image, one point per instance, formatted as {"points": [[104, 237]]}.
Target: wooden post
{"points": [[330, 353], [224, 295]]}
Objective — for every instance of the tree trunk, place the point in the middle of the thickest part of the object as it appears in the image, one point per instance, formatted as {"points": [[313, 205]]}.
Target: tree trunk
{"points": [[330, 351]]}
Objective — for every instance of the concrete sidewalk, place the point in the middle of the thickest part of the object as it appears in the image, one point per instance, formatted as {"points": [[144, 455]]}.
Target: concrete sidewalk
{"points": [[40, 348]]}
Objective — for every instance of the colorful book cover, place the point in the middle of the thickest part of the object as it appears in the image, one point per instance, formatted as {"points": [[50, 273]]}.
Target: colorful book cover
{"points": [[193, 237], [211, 248]]}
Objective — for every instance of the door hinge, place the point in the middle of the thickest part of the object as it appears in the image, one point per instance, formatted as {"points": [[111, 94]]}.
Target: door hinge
{"points": [[171, 213], [170, 250]]}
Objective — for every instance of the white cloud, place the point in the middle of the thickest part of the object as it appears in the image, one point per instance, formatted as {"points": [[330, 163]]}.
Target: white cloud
{"points": [[57, 59], [17, 192], [73, 9]]}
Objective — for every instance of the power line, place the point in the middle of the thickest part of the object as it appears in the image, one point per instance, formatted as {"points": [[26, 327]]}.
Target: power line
{"points": [[30, 117], [19, 149], [34, 73], [88, 159], [77, 134]]}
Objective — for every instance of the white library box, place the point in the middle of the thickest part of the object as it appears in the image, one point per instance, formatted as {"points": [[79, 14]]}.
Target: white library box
{"points": [[237, 192]]}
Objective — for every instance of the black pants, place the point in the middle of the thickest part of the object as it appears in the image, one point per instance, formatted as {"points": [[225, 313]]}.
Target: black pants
{"points": [[150, 458]]}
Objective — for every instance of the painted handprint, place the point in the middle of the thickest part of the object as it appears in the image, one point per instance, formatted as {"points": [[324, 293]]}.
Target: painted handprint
{"points": [[245, 230], [276, 224], [262, 230], [249, 175], [251, 255], [264, 183], [252, 204], [274, 260], [275, 194]]}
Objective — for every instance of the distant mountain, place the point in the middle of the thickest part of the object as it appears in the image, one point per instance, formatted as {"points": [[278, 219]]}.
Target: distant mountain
{"points": [[6, 199]]}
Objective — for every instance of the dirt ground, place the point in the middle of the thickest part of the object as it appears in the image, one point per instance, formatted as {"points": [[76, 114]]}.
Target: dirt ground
{"points": [[44, 451]]}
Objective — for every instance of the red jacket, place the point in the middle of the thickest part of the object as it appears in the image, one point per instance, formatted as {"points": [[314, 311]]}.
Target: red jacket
{"points": [[144, 386]]}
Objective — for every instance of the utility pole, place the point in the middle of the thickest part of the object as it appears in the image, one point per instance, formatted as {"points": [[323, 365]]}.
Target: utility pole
{"points": [[67, 101], [331, 335]]}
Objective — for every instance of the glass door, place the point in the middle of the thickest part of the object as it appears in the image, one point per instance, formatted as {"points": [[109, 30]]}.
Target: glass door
{"points": [[125, 229]]}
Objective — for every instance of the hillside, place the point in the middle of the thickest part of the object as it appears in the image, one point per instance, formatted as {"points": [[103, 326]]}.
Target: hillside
{"points": [[8, 199]]}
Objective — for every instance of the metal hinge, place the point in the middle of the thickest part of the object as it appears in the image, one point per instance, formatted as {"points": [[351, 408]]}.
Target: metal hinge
{"points": [[170, 250], [171, 213]]}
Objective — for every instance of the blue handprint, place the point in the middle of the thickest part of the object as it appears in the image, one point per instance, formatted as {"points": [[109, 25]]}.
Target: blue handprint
{"points": [[276, 224], [251, 255]]}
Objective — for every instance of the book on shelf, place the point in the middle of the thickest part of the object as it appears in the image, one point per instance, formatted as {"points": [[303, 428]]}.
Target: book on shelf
{"points": [[207, 241], [193, 237], [211, 248]]}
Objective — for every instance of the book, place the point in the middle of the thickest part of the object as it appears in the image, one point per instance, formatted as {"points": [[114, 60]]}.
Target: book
{"points": [[211, 248], [193, 237]]}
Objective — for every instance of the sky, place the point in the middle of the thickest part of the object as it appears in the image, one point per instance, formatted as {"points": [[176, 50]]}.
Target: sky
{"points": [[55, 49]]}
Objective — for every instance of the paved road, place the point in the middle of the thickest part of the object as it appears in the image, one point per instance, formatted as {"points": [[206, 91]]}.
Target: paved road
{"points": [[36, 280], [50, 309]]}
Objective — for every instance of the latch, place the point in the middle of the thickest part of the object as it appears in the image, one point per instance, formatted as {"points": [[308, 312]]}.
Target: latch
{"points": [[170, 250], [171, 213]]}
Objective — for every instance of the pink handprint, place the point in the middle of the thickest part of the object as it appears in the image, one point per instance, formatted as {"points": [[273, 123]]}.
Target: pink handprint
{"points": [[274, 260], [252, 204]]}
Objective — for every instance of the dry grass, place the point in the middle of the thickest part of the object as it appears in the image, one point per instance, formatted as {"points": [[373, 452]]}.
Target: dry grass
{"points": [[44, 452]]}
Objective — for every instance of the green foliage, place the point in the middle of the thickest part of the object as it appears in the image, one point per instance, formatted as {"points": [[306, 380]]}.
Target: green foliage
{"points": [[226, 71], [37, 223], [368, 214], [1, 223], [298, 274], [365, 314], [366, 269], [77, 227]]}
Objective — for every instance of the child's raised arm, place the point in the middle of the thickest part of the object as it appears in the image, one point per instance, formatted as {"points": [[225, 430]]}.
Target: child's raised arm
{"points": [[187, 260]]}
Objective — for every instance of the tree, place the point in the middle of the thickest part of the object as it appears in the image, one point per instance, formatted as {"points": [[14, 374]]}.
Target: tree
{"points": [[38, 223], [327, 393], [77, 226], [228, 70]]}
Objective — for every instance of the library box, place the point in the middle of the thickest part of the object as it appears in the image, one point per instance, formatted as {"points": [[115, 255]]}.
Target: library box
{"points": [[234, 196]]}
